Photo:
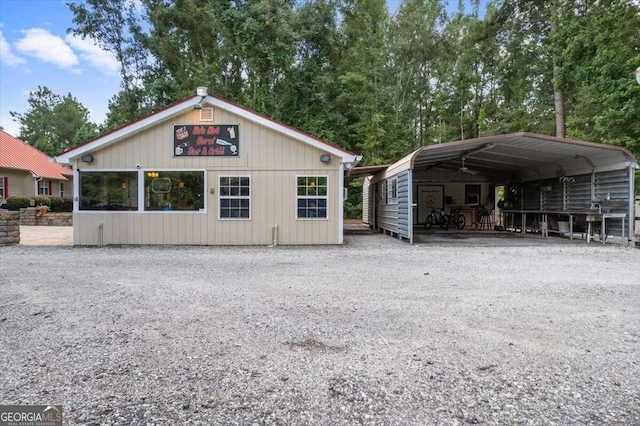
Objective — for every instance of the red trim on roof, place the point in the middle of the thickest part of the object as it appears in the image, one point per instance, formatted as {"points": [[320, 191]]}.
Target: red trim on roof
{"points": [[126, 125], [222, 100]]}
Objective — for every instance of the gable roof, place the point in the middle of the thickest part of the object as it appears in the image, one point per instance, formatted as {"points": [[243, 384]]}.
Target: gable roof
{"points": [[187, 104], [17, 154]]}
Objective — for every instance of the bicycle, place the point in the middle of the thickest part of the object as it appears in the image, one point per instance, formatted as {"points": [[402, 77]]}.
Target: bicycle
{"points": [[437, 218], [456, 219]]}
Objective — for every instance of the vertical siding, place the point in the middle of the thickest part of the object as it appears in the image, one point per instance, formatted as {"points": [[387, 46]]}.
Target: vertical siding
{"points": [[366, 187], [614, 185], [272, 161], [404, 204], [580, 192]]}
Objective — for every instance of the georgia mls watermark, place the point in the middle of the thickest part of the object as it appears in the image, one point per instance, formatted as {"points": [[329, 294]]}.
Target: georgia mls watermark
{"points": [[30, 415]]}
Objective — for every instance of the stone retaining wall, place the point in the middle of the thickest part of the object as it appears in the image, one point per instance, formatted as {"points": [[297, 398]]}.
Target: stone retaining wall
{"points": [[29, 216], [9, 228]]}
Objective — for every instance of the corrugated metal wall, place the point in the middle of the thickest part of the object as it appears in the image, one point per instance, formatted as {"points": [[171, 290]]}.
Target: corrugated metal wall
{"points": [[614, 185], [387, 217], [578, 192], [553, 197], [366, 185], [404, 205]]}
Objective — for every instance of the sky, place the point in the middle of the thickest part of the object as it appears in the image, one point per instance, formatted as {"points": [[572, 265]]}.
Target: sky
{"points": [[36, 49]]}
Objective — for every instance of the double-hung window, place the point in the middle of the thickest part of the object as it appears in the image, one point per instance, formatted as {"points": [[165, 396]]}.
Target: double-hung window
{"points": [[235, 197], [472, 194], [61, 189], [43, 187], [311, 197]]}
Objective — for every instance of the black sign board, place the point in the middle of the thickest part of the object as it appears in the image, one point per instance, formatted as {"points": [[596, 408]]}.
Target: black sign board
{"points": [[219, 140]]}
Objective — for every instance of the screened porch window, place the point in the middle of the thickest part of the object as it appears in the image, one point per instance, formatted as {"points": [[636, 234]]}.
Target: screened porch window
{"points": [[173, 190], [114, 190]]}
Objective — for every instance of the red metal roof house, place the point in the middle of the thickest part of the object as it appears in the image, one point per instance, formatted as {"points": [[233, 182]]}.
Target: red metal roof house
{"points": [[24, 170]]}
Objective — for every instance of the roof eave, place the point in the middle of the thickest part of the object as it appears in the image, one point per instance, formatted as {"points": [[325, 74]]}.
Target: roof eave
{"points": [[187, 104]]}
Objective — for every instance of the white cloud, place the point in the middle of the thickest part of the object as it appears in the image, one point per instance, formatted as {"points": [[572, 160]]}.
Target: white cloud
{"points": [[6, 54], [47, 47], [92, 53]]}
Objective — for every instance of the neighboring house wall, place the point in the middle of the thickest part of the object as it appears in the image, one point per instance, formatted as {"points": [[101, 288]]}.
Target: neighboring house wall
{"points": [[270, 159], [20, 182], [23, 183]]}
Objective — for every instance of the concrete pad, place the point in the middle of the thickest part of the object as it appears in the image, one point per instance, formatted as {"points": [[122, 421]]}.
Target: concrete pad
{"points": [[46, 235]]}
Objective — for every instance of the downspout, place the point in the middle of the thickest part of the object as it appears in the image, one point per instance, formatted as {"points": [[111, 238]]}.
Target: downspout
{"points": [[38, 179]]}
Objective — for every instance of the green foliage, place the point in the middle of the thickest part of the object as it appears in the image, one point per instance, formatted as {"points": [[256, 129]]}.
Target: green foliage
{"points": [[17, 202], [42, 200], [54, 123], [61, 204], [353, 203], [378, 84]]}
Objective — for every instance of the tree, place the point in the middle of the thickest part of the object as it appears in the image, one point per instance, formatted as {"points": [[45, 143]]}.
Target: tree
{"points": [[115, 26], [54, 123]]}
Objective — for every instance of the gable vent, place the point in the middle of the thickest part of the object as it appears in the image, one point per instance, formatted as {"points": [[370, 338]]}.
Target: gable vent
{"points": [[206, 114]]}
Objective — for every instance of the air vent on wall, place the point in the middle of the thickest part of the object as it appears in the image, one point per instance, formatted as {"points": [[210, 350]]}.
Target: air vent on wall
{"points": [[206, 114]]}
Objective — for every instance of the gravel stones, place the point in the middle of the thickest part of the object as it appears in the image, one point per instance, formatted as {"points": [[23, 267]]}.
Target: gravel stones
{"points": [[357, 334]]}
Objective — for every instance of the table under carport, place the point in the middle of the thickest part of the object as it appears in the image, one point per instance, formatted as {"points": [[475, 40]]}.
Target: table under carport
{"points": [[589, 184]]}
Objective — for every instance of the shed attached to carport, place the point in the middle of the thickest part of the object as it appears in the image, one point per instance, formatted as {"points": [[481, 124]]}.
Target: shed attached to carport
{"points": [[540, 174]]}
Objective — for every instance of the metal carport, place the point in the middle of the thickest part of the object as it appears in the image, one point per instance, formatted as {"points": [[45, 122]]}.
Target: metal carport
{"points": [[554, 174]]}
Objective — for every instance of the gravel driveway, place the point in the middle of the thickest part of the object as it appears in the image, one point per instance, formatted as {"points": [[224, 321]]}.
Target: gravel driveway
{"points": [[374, 332]]}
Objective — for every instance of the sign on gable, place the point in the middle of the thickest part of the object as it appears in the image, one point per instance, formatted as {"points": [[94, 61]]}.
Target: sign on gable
{"points": [[220, 140]]}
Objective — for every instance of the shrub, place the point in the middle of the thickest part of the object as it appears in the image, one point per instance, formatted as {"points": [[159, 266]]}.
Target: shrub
{"points": [[56, 204], [61, 204], [17, 202], [67, 204], [42, 200]]}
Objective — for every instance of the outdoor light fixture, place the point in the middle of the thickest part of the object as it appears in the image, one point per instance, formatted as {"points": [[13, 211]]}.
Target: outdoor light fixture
{"points": [[202, 92], [325, 158], [87, 158]]}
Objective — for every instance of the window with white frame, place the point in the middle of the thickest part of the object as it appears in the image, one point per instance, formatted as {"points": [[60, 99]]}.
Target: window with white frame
{"points": [[61, 189], [43, 187], [392, 191], [234, 195], [2, 190], [112, 190], [168, 190], [311, 197]]}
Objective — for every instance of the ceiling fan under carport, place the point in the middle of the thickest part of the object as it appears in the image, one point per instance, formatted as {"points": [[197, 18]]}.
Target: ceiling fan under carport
{"points": [[465, 169]]}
